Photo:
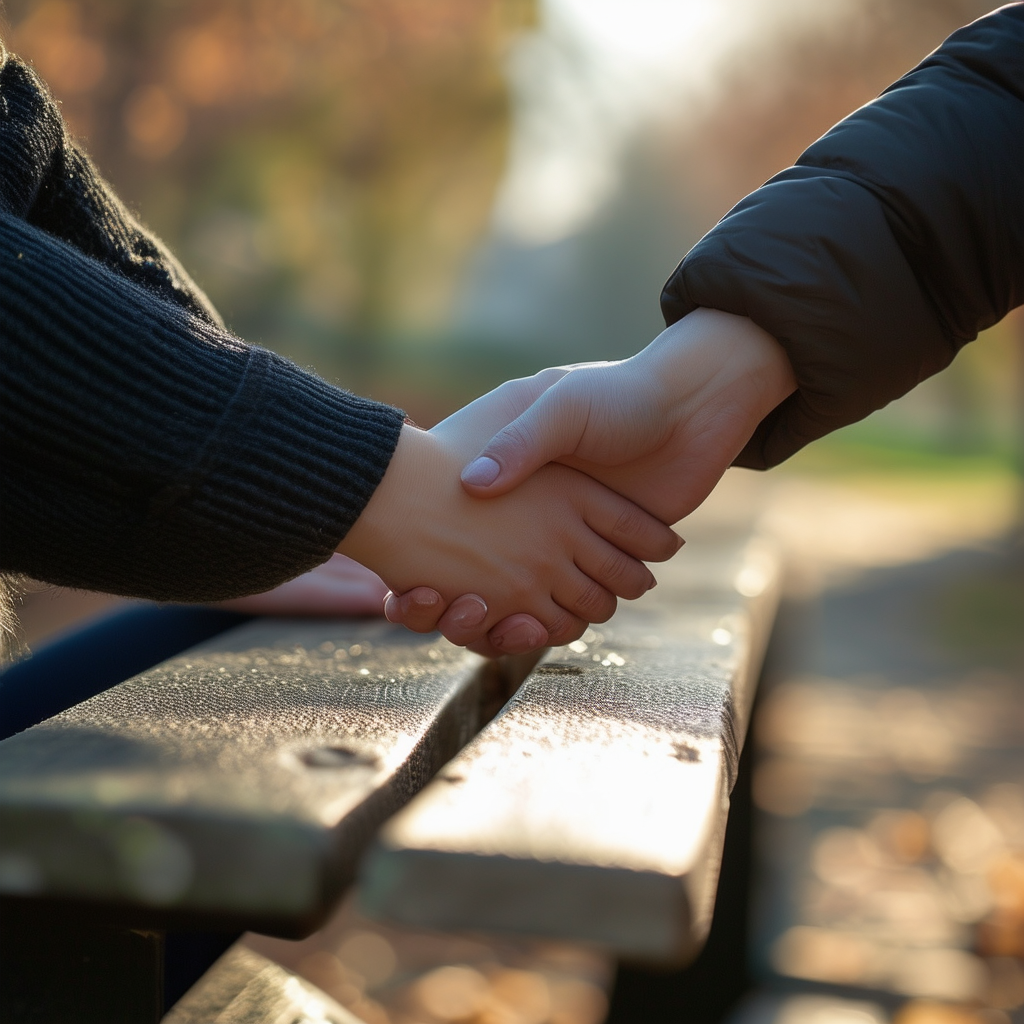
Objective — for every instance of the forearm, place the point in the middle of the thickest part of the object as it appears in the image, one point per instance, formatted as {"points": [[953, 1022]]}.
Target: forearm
{"points": [[893, 241], [148, 453]]}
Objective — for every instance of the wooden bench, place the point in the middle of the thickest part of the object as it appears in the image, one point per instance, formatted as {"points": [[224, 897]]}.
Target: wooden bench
{"points": [[242, 784]]}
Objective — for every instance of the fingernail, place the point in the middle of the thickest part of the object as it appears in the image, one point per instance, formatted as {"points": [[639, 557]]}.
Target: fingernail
{"points": [[481, 472], [391, 608], [519, 639], [652, 584], [474, 612], [426, 600], [679, 542]]}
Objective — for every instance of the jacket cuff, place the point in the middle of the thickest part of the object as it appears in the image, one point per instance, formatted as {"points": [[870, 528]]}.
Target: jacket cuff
{"points": [[810, 258]]}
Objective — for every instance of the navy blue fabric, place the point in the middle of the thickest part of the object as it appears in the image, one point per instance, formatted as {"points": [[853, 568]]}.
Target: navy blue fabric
{"points": [[188, 956], [101, 654], [90, 659]]}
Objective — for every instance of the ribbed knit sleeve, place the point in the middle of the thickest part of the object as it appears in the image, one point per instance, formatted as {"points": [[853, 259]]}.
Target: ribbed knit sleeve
{"points": [[144, 450], [892, 242], [47, 180], [147, 452]]}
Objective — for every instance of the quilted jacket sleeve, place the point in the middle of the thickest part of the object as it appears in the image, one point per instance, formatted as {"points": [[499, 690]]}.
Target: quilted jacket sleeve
{"points": [[892, 241]]}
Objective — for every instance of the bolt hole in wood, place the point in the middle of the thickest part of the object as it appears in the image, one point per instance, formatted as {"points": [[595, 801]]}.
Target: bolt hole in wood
{"points": [[685, 752], [337, 756]]}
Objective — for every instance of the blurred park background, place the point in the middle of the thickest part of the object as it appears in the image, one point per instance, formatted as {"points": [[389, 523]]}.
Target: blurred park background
{"points": [[421, 200]]}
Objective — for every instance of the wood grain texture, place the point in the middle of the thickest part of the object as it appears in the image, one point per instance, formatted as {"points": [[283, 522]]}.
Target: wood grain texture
{"points": [[239, 781], [593, 808], [243, 987]]}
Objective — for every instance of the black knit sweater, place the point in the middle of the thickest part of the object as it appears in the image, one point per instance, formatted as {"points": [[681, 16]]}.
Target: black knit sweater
{"points": [[145, 450]]}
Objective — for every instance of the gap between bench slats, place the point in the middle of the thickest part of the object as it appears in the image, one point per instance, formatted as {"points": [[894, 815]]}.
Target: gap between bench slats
{"points": [[593, 808], [239, 781]]}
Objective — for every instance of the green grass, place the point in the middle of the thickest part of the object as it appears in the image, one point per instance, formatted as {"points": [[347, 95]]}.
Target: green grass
{"points": [[869, 452]]}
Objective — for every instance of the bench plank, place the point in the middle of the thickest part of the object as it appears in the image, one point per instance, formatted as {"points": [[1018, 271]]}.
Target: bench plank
{"points": [[593, 808], [243, 987], [239, 781]]}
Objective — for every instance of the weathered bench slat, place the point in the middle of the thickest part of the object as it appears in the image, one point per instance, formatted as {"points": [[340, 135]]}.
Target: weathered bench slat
{"points": [[594, 806], [241, 780], [243, 987]]}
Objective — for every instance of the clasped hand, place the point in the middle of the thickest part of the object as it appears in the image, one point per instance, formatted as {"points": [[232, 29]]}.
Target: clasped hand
{"points": [[659, 428], [568, 478], [558, 549]]}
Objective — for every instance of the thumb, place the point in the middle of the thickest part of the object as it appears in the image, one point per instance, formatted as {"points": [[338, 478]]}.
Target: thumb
{"points": [[548, 429]]}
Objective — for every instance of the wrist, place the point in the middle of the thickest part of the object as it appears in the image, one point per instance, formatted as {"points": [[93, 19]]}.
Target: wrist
{"points": [[712, 353], [418, 464]]}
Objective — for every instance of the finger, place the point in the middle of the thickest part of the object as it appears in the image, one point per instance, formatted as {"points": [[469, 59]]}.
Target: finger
{"points": [[521, 393], [612, 569], [589, 365], [517, 634], [583, 597], [418, 609], [492, 412], [625, 525], [463, 622], [485, 649], [521, 632], [550, 428], [564, 627]]}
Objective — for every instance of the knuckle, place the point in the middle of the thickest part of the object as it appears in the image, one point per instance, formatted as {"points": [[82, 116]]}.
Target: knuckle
{"points": [[631, 522], [550, 375], [511, 440], [618, 571], [594, 603], [632, 580], [517, 394], [564, 628]]}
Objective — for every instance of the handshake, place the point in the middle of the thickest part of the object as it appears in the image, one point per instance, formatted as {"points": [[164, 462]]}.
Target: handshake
{"points": [[520, 519]]}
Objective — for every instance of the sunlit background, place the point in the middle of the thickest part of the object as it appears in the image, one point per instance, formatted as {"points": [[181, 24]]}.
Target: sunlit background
{"points": [[421, 200]]}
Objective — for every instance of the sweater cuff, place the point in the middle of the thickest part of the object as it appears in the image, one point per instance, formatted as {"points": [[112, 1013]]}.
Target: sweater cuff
{"points": [[293, 462]]}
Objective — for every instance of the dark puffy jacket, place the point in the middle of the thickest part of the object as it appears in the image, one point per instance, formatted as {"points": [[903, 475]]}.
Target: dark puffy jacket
{"points": [[893, 241]]}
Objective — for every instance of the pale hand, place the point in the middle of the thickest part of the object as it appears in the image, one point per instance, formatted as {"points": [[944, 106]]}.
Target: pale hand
{"points": [[338, 587], [659, 428], [554, 549]]}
